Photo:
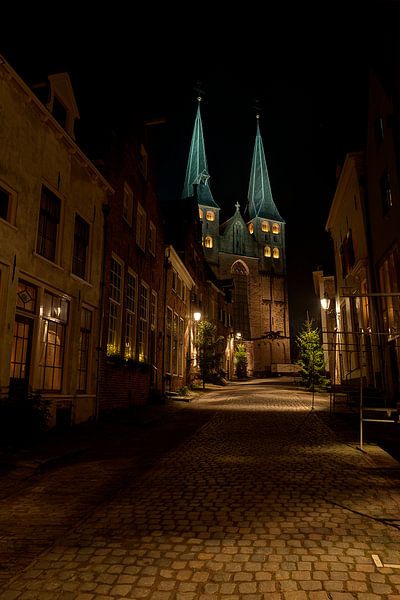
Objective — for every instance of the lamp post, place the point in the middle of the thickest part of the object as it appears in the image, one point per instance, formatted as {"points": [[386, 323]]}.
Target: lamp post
{"points": [[196, 318], [325, 305]]}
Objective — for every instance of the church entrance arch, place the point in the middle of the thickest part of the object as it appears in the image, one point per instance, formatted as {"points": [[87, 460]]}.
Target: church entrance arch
{"points": [[240, 272]]}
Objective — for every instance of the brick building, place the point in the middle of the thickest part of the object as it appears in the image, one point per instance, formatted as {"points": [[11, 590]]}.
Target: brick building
{"points": [[133, 291]]}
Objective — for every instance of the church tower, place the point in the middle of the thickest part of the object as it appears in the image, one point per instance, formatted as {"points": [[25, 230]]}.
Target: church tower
{"points": [[197, 184], [251, 255], [265, 225]]}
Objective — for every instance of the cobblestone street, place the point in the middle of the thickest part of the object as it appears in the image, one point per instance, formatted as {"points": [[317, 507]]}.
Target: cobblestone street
{"points": [[256, 497]]}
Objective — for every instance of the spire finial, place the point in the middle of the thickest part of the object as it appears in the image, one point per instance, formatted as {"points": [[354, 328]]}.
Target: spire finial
{"points": [[199, 89], [237, 205], [257, 106]]}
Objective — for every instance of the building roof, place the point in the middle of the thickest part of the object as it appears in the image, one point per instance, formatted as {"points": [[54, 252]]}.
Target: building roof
{"points": [[197, 169], [260, 199]]}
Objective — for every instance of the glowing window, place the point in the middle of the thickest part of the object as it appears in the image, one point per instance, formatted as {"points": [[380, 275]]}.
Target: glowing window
{"points": [[265, 226], [200, 213], [208, 241], [276, 228], [251, 228], [275, 252], [210, 215], [267, 251]]}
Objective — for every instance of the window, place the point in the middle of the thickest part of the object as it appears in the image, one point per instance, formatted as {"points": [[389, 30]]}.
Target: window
{"points": [[84, 349], [200, 214], [175, 345], [114, 316], [54, 323], [181, 354], [275, 253], [143, 321], [49, 219], [386, 192], [26, 297], [389, 283], [152, 238], [251, 228], [208, 241], [267, 251], [168, 336], [265, 226], [5, 204], [141, 228], [130, 315], [276, 228], [210, 215], [81, 242], [127, 208]]}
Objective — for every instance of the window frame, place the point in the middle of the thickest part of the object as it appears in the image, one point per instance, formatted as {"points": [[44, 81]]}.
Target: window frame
{"points": [[11, 204], [127, 204], [79, 245], [115, 308], [131, 311], [48, 222], [141, 224]]}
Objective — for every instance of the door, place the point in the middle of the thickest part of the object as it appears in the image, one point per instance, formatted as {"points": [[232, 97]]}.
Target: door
{"points": [[21, 353]]}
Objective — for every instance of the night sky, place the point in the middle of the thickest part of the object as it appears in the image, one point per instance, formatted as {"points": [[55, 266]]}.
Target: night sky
{"points": [[307, 68]]}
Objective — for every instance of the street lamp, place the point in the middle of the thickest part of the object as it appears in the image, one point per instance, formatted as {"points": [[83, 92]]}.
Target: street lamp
{"points": [[196, 319], [325, 302]]}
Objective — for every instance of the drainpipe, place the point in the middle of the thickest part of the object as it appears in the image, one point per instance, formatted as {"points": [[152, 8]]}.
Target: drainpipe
{"points": [[106, 211], [166, 267]]}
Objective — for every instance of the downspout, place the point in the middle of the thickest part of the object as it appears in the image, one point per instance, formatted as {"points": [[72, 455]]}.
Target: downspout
{"points": [[166, 265], [106, 212]]}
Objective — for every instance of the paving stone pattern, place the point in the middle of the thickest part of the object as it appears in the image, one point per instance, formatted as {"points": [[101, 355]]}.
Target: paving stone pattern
{"points": [[263, 501]]}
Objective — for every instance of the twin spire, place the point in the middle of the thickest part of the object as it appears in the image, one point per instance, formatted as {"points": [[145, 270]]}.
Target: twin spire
{"points": [[197, 169], [259, 195]]}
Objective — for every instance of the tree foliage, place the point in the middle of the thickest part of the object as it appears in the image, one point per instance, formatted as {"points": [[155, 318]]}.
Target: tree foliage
{"points": [[311, 356], [210, 350], [241, 361]]}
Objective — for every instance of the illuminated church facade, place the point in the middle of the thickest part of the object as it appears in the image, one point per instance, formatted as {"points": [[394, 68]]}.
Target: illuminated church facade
{"points": [[247, 252]]}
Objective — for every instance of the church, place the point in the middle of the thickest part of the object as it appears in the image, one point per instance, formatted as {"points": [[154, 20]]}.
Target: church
{"points": [[248, 250]]}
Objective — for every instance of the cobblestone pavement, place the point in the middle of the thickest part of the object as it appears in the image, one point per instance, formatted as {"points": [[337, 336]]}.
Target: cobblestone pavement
{"points": [[263, 500]]}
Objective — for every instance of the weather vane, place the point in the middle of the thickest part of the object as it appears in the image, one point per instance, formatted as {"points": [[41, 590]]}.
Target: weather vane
{"points": [[199, 89], [257, 106]]}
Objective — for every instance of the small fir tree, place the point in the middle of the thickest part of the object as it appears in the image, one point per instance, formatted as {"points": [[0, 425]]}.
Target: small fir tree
{"points": [[241, 361], [207, 348], [311, 357]]}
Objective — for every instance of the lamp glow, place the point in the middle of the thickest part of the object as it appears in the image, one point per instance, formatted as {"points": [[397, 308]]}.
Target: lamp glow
{"points": [[197, 316], [325, 302]]}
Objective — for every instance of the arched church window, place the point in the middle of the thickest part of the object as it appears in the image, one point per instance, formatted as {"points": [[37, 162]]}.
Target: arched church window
{"points": [[251, 228], [239, 268], [200, 214], [265, 226], [276, 228], [208, 241], [210, 215], [275, 253], [267, 251]]}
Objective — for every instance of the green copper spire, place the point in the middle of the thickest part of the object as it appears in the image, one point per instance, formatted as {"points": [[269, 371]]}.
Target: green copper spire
{"points": [[197, 169], [260, 199]]}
